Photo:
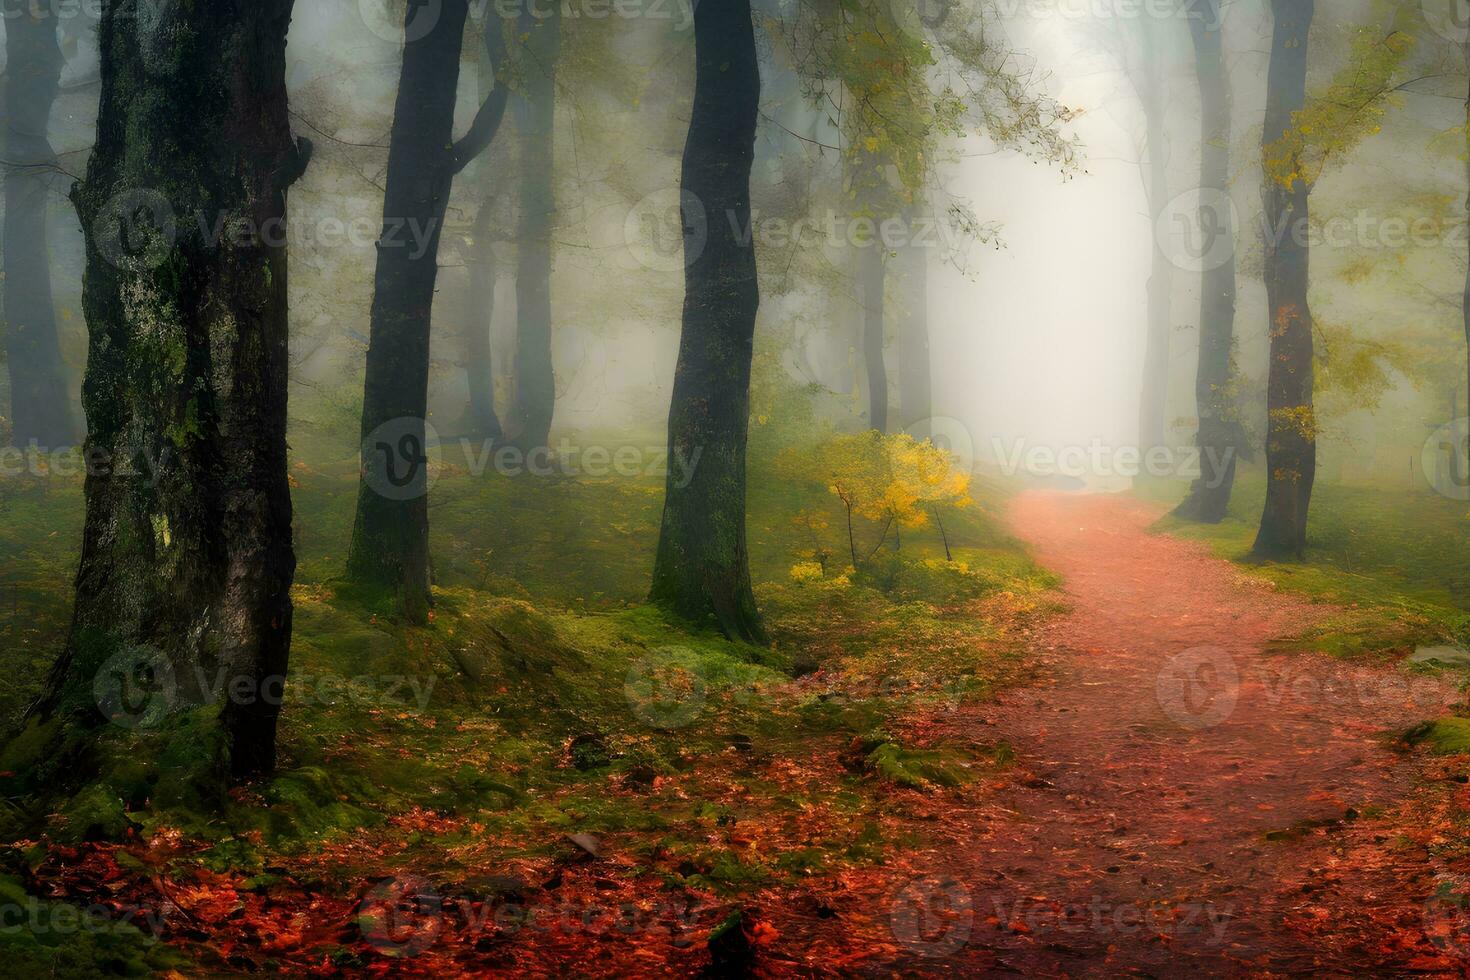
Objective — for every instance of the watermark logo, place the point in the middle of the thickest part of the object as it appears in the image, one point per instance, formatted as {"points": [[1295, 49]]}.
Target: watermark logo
{"points": [[667, 230], [932, 916], [136, 688], [1445, 459], [400, 459], [401, 21], [1199, 688], [136, 229], [1450, 19], [1195, 231], [949, 435], [401, 917], [666, 689]]}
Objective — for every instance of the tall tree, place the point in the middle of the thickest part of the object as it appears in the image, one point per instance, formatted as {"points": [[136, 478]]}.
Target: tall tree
{"points": [[1218, 437], [390, 539], [1465, 305], [702, 572], [1291, 427], [187, 558], [1154, 400], [40, 402], [481, 418], [915, 367], [535, 112]]}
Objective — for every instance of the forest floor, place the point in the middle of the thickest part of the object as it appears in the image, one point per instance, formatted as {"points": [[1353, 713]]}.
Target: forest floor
{"points": [[1189, 797], [1171, 763]]}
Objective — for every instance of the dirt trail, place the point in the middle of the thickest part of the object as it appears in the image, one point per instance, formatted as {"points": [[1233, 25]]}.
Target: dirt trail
{"points": [[1187, 802]]}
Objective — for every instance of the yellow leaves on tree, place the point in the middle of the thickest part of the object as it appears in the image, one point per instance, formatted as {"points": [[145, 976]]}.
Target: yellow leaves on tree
{"points": [[1350, 109], [886, 480]]}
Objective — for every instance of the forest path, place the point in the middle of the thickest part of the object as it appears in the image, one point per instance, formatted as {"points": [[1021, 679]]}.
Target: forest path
{"points": [[1184, 801]]}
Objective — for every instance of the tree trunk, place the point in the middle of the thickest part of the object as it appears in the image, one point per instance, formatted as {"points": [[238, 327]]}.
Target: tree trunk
{"points": [[40, 392], [1291, 441], [702, 572], [482, 418], [187, 560], [390, 539], [1466, 302], [1153, 403], [1218, 436], [535, 399], [915, 384], [481, 369], [872, 265]]}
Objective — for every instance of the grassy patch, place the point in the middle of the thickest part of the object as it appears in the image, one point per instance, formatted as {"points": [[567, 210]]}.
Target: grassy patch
{"points": [[1394, 561], [545, 702]]}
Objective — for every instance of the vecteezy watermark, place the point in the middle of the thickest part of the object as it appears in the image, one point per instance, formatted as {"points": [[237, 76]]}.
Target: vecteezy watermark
{"points": [[1201, 687], [1097, 459], [401, 917], [1104, 10], [42, 918], [669, 230], [1450, 19], [137, 229], [404, 916], [139, 688], [1198, 688], [407, 21], [401, 459], [1445, 459], [666, 689], [1196, 231], [1040, 917], [932, 916], [568, 459], [68, 462]]}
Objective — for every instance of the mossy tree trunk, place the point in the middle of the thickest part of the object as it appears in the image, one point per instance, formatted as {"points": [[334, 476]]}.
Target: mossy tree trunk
{"points": [[390, 539], [1219, 430], [187, 560], [535, 393], [702, 572], [1291, 438], [40, 393]]}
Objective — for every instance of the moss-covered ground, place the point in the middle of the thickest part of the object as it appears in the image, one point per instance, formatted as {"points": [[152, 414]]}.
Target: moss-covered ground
{"points": [[545, 715]]}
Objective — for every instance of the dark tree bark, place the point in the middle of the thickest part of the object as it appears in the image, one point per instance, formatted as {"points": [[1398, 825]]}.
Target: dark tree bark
{"points": [[702, 572], [535, 398], [872, 268], [1153, 403], [1218, 436], [390, 540], [1291, 442], [187, 560], [40, 392], [915, 369]]}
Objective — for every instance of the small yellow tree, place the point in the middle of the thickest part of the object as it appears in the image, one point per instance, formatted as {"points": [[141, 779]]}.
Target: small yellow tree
{"points": [[889, 480]]}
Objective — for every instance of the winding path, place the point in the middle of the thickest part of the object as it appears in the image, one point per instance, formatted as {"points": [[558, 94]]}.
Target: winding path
{"points": [[1185, 802]]}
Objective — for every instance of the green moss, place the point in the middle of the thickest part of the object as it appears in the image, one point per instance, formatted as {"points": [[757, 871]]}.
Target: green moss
{"points": [[1394, 561], [1443, 736]]}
